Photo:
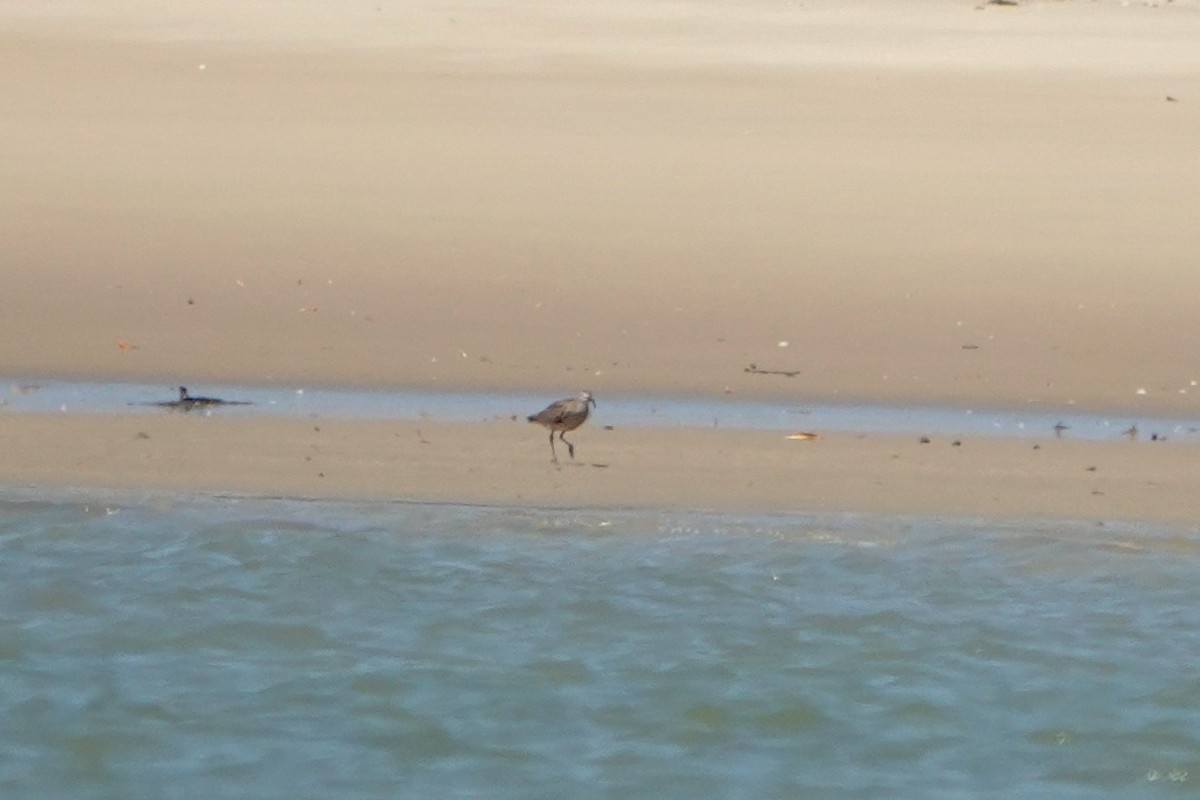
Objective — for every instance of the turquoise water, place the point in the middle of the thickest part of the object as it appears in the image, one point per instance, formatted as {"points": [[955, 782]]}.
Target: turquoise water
{"points": [[204, 647]]}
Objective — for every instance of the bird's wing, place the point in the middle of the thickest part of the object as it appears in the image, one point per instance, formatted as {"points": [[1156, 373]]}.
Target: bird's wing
{"points": [[554, 413]]}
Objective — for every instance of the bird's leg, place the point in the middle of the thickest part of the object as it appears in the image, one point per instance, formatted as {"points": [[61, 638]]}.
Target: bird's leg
{"points": [[570, 447], [553, 455]]}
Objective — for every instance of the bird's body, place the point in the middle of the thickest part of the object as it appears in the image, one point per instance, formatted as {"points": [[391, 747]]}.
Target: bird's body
{"points": [[187, 402], [563, 416]]}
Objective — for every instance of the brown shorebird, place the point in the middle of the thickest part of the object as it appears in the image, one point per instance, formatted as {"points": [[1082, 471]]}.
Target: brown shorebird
{"points": [[562, 416]]}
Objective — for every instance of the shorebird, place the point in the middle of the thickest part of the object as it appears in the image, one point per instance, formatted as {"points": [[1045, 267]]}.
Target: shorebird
{"points": [[562, 416]]}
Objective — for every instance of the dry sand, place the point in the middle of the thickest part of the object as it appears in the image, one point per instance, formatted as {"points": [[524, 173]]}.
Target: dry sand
{"points": [[928, 201]]}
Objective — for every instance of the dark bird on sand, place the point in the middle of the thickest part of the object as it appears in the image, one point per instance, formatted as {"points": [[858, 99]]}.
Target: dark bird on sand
{"points": [[562, 416], [187, 402]]}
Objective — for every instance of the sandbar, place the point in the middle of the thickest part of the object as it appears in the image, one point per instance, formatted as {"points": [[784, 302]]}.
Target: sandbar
{"points": [[901, 202]]}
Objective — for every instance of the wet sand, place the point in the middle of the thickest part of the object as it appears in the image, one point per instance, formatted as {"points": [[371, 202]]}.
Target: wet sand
{"points": [[508, 463], [927, 202]]}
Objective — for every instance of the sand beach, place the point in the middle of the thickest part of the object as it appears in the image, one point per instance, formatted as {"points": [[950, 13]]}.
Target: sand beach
{"points": [[930, 202]]}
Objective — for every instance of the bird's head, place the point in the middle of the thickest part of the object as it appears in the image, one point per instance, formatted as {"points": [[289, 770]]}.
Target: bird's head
{"points": [[587, 398]]}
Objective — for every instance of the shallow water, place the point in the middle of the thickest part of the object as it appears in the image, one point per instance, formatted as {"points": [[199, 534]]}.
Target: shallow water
{"points": [[180, 647], [732, 412]]}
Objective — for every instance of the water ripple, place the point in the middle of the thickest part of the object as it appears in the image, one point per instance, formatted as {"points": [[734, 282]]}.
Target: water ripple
{"points": [[220, 648]]}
